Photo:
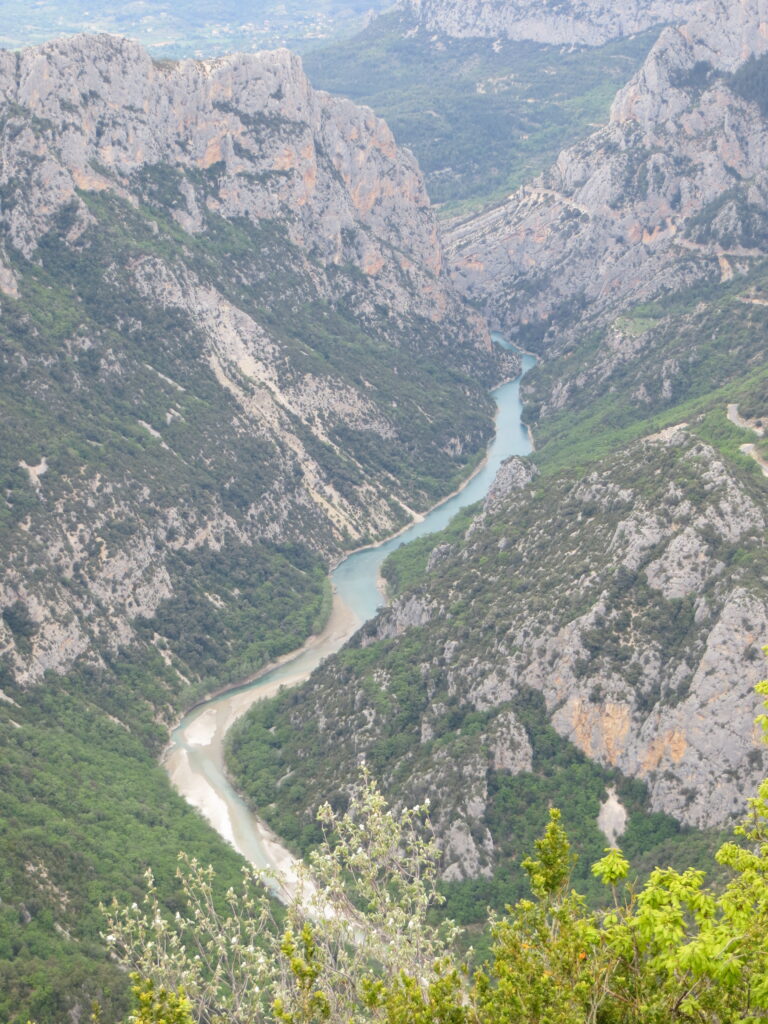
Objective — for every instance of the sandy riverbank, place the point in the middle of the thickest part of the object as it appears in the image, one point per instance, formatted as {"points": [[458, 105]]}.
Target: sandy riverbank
{"points": [[194, 760]]}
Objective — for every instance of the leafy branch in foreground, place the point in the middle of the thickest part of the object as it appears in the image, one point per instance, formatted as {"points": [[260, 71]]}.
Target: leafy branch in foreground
{"points": [[358, 946], [356, 919], [218, 956]]}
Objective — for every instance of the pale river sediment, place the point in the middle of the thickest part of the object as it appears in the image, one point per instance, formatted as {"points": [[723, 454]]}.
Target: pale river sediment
{"points": [[194, 758]]}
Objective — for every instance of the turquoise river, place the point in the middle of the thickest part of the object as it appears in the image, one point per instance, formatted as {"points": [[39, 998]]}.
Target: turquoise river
{"points": [[194, 758]]}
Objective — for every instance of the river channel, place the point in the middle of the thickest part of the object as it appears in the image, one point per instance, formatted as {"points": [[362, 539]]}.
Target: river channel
{"points": [[194, 758]]}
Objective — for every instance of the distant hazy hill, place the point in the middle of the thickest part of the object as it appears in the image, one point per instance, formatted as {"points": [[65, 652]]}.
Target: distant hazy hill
{"points": [[579, 22], [482, 115]]}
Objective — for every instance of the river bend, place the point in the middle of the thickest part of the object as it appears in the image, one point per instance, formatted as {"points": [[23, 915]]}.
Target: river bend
{"points": [[194, 758]]}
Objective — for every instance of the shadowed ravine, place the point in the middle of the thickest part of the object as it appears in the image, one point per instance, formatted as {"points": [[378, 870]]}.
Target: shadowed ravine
{"points": [[194, 758]]}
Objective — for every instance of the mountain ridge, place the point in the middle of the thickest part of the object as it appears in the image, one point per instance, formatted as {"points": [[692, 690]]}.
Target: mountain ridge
{"points": [[316, 214], [574, 22], [649, 199]]}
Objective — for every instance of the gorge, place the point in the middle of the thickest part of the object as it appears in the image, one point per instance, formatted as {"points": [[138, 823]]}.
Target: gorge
{"points": [[195, 758], [238, 340], [645, 511]]}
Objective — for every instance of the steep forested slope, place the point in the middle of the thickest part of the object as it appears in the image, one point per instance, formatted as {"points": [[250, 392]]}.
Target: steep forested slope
{"points": [[225, 330]]}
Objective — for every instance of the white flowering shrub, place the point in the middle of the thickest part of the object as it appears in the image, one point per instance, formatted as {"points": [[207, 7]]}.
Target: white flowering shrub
{"points": [[356, 918], [220, 959]]}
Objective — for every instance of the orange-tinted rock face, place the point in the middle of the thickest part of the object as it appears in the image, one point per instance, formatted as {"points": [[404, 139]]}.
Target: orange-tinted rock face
{"points": [[600, 730], [669, 747]]}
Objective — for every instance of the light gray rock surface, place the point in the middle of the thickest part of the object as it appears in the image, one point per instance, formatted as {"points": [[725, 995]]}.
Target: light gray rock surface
{"points": [[277, 149], [514, 474]]}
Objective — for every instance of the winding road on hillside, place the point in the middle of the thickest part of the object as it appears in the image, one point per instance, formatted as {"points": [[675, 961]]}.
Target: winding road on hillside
{"points": [[748, 449]]}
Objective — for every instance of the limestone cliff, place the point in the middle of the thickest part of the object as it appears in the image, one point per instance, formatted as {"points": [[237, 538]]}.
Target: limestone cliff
{"points": [[672, 191], [221, 294], [251, 137], [570, 22]]}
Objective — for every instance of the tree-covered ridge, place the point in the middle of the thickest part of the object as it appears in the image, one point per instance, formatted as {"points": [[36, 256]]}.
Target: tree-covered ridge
{"points": [[358, 946], [124, 404], [248, 371], [85, 810]]}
